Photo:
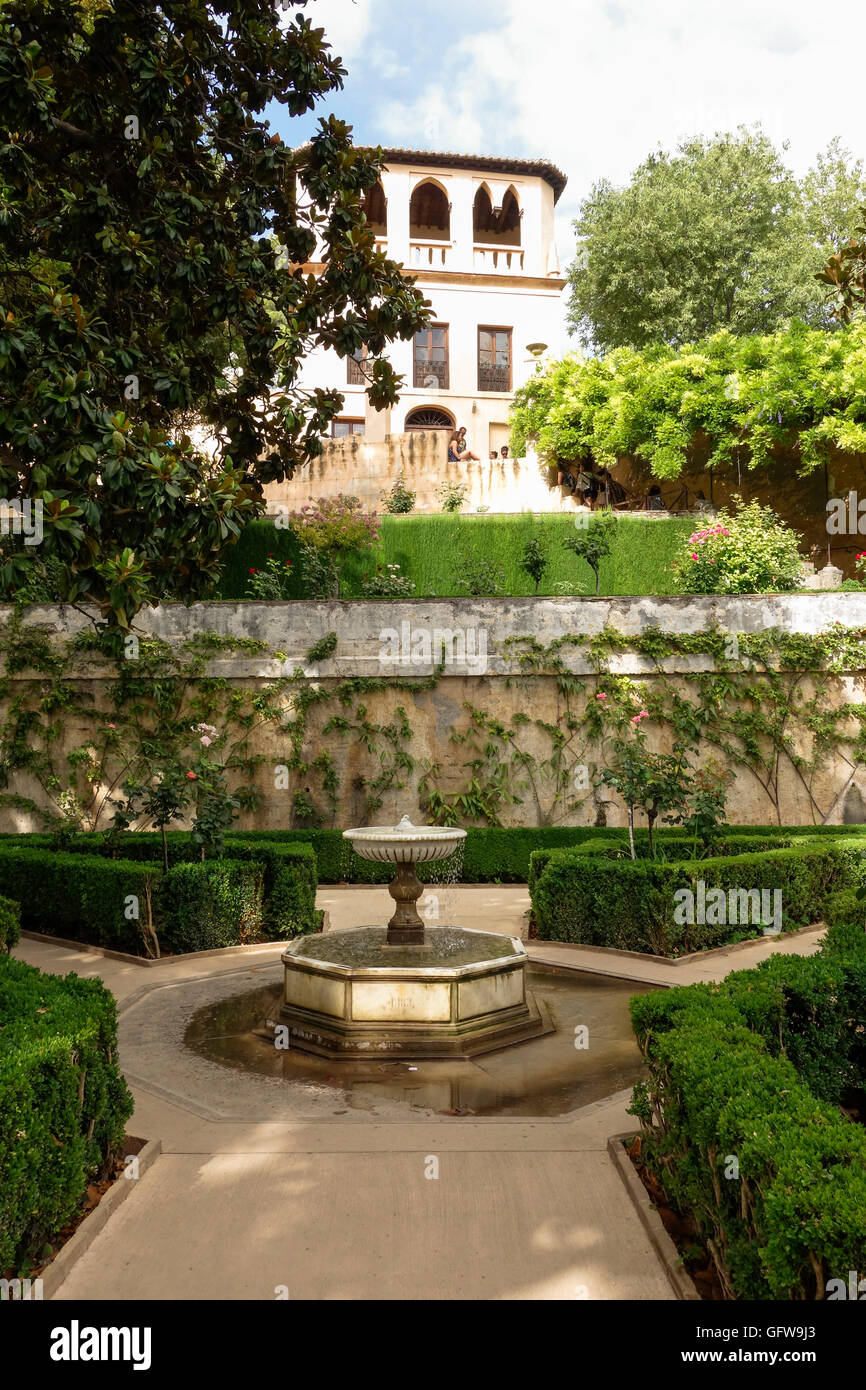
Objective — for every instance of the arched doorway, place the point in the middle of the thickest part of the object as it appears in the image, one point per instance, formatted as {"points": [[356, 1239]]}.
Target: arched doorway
{"points": [[427, 417]]}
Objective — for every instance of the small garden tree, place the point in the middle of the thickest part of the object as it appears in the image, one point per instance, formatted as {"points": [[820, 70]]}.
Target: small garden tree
{"points": [[535, 559], [330, 532], [593, 543], [654, 783]]}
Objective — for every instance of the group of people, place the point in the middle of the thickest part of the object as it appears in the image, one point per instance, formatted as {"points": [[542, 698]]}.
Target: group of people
{"points": [[459, 450], [591, 488]]}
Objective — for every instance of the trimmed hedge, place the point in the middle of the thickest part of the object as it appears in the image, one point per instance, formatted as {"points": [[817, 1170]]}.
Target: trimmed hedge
{"points": [[752, 1070], [63, 1102], [10, 924], [631, 904], [490, 854], [254, 891], [203, 907]]}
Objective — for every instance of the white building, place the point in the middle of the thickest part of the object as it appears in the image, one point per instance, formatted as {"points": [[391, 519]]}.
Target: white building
{"points": [[477, 233]]}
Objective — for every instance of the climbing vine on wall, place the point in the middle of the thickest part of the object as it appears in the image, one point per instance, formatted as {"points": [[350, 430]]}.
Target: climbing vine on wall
{"points": [[763, 705]]}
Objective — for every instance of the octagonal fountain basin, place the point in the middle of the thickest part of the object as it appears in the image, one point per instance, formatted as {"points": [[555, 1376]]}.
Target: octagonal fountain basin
{"points": [[352, 994]]}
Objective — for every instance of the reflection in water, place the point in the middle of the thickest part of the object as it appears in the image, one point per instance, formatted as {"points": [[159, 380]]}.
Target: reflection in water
{"points": [[547, 1076]]}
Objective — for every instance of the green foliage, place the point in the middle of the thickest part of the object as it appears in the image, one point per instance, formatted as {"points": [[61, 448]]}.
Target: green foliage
{"points": [[334, 529], [534, 559], [428, 547], [718, 235], [323, 649], [747, 551], [206, 906], [10, 924], [273, 582], [260, 889], [452, 496], [725, 402], [593, 543], [388, 583], [754, 1069], [63, 1102], [480, 576], [632, 904], [399, 499], [151, 282], [846, 272]]}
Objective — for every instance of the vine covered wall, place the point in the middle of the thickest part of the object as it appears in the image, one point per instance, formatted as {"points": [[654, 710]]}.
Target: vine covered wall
{"points": [[486, 712]]}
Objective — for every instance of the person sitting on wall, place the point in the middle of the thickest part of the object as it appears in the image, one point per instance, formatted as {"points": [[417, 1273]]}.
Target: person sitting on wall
{"points": [[494, 454], [505, 454], [453, 447], [653, 500], [464, 453]]}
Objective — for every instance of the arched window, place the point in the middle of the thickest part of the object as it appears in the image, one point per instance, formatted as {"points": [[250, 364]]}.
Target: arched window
{"points": [[426, 417], [492, 228], [429, 213], [376, 209]]}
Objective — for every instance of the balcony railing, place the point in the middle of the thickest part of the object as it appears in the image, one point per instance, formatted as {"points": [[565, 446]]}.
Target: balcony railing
{"points": [[426, 370], [493, 378], [498, 260], [429, 255]]}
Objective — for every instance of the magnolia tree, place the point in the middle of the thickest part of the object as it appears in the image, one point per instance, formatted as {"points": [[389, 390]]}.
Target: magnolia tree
{"points": [[154, 231]]}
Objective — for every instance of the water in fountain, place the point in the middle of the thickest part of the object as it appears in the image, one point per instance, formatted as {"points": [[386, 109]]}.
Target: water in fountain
{"points": [[439, 893]]}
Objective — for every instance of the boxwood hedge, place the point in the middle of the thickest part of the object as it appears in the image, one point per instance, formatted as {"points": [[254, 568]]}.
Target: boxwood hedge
{"points": [[632, 904], [254, 891], [742, 1120], [63, 1102]]}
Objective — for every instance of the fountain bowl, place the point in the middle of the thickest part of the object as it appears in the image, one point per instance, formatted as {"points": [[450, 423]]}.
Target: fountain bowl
{"points": [[404, 843]]}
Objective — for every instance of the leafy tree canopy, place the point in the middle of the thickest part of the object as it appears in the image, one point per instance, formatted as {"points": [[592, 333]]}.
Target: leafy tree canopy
{"points": [[150, 222], [801, 389], [718, 235]]}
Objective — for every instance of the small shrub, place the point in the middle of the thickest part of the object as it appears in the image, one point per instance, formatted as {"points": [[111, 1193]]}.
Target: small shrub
{"points": [[206, 906], [480, 577], [10, 924], [452, 496], [388, 582], [399, 499], [749, 551], [273, 582]]}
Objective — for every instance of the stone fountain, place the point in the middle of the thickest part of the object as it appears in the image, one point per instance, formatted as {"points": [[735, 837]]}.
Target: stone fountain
{"points": [[406, 989]]}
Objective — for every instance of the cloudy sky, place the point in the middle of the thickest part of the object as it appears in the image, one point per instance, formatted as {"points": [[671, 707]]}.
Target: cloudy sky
{"points": [[594, 85]]}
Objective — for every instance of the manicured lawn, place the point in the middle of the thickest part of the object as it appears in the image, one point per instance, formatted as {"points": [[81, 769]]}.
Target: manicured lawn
{"points": [[430, 550]]}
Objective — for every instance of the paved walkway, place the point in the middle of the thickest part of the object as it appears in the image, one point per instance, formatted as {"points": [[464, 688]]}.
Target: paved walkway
{"points": [[342, 1209]]}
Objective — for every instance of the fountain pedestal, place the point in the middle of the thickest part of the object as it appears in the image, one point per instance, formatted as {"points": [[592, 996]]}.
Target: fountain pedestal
{"points": [[371, 990], [405, 927]]}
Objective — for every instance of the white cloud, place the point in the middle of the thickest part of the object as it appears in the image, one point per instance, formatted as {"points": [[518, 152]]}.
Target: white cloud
{"points": [[347, 23], [595, 85]]}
